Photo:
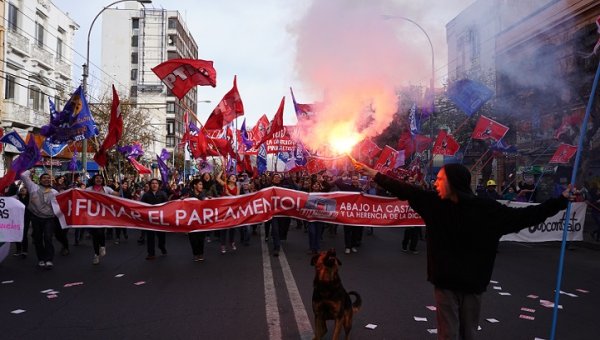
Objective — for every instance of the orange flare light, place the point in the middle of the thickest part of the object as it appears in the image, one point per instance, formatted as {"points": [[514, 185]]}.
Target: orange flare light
{"points": [[342, 142]]}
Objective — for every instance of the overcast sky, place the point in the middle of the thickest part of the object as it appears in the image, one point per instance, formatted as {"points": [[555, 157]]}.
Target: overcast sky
{"points": [[257, 41]]}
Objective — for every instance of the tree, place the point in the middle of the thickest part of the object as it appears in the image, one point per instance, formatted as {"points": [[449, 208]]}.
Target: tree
{"points": [[135, 122]]}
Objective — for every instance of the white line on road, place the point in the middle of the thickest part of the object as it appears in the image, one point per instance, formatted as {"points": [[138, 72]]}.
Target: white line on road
{"points": [[304, 326], [271, 306]]}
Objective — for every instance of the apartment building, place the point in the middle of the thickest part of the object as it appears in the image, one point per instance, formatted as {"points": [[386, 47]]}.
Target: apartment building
{"points": [[135, 39], [36, 65]]}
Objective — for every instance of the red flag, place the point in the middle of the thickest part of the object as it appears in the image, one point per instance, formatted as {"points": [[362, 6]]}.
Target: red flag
{"points": [[229, 108], [260, 129], [142, 170], [411, 143], [569, 121], [315, 165], [445, 145], [180, 75], [563, 154], [115, 130], [276, 124], [9, 178], [198, 144], [488, 128], [387, 159], [367, 149]]}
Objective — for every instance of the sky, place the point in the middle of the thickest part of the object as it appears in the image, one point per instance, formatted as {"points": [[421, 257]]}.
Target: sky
{"points": [[333, 51]]}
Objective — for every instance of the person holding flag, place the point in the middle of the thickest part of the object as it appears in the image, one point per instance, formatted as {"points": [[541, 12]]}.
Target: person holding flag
{"points": [[43, 219], [463, 232]]}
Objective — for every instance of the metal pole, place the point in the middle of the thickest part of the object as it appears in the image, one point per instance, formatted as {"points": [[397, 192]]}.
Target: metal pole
{"points": [[86, 69]]}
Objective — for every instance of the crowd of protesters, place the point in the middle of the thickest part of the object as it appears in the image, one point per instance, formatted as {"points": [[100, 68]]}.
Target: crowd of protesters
{"points": [[45, 225], [40, 219]]}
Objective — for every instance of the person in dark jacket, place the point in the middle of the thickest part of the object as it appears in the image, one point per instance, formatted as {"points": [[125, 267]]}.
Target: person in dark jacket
{"points": [[490, 191], [155, 196], [462, 233], [197, 237]]}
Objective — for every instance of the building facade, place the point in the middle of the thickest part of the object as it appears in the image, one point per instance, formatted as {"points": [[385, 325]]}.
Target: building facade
{"points": [[136, 39], [545, 69], [37, 65]]}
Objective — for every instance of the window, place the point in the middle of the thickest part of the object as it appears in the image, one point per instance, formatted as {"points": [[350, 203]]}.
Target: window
{"points": [[39, 34], [134, 73], [134, 40], [13, 14], [170, 141], [9, 87], [172, 39], [170, 107], [135, 23], [59, 48], [170, 127], [36, 98], [172, 23], [133, 91], [134, 58]]}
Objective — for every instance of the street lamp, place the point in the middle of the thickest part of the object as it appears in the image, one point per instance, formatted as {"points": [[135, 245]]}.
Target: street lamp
{"points": [[431, 84], [86, 71]]}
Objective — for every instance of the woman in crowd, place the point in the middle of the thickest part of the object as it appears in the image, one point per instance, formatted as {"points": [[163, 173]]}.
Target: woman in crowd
{"points": [[230, 188], [23, 246], [124, 192], [197, 238], [99, 234]]}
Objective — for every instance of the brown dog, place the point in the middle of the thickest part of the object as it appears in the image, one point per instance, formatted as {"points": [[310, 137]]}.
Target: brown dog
{"points": [[330, 300]]}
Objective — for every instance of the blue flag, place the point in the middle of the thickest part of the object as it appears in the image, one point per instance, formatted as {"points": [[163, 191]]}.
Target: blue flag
{"points": [[72, 166], [52, 149], [73, 123], [261, 159], [14, 139], [469, 95], [501, 146]]}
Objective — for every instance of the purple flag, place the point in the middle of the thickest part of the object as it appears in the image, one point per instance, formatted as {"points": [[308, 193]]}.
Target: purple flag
{"points": [[245, 140], [134, 150], [165, 155], [27, 158], [164, 169], [73, 163]]}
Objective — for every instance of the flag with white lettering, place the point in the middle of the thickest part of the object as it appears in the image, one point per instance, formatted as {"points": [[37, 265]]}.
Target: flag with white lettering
{"points": [[180, 75], [14, 139]]}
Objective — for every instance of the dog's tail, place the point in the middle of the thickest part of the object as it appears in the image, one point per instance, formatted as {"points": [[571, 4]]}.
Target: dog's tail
{"points": [[357, 301]]}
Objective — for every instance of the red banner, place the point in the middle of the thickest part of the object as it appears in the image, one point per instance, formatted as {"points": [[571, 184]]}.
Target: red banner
{"points": [[85, 209]]}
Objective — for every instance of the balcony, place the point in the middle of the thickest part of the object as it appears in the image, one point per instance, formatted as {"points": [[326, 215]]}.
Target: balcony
{"points": [[23, 116], [17, 43], [44, 58], [63, 68]]}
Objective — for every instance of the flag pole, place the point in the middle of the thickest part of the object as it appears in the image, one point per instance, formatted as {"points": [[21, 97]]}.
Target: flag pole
{"points": [[185, 107], [582, 132]]}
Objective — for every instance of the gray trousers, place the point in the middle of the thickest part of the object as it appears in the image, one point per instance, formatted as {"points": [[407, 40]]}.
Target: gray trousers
{"points": [[457, 314]]}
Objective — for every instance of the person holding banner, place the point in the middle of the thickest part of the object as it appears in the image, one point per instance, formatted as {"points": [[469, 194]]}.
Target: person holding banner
{"points": [[462, 235], [197, 237], [155, 196], [43, 219], [99, 234]]}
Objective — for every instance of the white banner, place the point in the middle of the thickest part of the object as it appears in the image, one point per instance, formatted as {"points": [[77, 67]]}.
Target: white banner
{"points": [[12, 215], [552, 228]]}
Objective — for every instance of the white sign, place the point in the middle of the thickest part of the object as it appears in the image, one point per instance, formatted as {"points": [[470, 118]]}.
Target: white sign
{"points": [[12, 214], [552, 228]]}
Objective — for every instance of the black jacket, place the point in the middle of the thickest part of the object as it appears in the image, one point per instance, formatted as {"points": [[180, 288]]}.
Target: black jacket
{"points": [[462, 237], [155, 198]]}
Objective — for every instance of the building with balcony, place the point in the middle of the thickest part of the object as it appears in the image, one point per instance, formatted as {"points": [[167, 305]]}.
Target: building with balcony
{"points": [[37, 62], [135, 39], [545, 69]]}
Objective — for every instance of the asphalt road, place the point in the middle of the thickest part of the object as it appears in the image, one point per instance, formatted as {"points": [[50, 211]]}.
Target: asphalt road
{"points": [[248, 294]]}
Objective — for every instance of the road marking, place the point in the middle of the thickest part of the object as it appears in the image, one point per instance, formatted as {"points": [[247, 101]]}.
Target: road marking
{"points": [[304, 327], [271, 307]]}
